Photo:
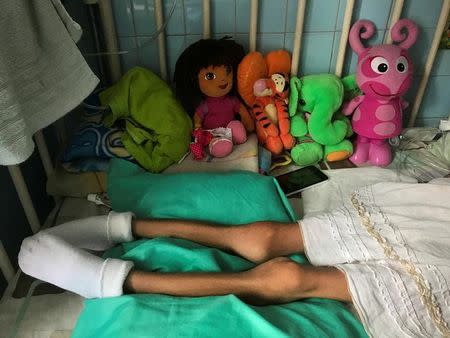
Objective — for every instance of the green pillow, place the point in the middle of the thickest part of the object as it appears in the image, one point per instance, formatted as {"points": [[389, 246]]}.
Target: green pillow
{"points": [[235, 197]]}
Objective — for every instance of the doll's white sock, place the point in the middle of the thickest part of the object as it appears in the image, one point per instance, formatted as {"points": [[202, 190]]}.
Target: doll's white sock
{"points": [[97, 232], [49, 258]]}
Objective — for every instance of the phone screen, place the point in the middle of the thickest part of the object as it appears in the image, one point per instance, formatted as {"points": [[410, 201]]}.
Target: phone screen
{"points": [[300, 179]]}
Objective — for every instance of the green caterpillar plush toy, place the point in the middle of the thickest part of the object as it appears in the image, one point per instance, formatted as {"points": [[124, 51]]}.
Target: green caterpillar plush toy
{"points": [[317, 125]]}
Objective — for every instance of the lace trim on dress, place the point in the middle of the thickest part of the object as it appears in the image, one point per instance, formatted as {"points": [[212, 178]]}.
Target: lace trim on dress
{"points": [[426, 296]]}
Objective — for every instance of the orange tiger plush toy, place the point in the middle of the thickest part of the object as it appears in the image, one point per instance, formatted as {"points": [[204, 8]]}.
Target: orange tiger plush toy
{"points": [[263, 84], [271, 115]]}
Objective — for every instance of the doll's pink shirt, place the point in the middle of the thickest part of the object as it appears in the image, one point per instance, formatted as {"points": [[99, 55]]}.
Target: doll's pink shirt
{"points": [[216, 112]]}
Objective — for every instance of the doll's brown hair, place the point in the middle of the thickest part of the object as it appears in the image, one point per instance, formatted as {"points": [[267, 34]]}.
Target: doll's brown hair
{"points": [[201, 54]]}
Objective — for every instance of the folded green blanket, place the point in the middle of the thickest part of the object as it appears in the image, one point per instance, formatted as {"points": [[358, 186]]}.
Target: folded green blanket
{"points": [[229, 198], [157, 129]]}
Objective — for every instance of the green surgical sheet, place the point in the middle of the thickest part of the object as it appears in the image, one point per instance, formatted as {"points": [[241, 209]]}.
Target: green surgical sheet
{"points": [[148, 315]]}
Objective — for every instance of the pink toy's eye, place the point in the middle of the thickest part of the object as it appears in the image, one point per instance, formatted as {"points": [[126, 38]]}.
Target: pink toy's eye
{"points": [[210, 76], [379, 65], [402, 64]]}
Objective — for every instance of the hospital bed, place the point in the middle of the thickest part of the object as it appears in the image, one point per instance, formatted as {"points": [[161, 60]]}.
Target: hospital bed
{"points": [[40, 312]]}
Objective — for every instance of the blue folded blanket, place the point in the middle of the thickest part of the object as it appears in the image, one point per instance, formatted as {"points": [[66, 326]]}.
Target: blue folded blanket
{"points": [[228, 198]]}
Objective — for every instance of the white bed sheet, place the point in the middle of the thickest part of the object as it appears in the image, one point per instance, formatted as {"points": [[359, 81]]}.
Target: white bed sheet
{"points": [[329, 195], [243, 157], [45, 316]]}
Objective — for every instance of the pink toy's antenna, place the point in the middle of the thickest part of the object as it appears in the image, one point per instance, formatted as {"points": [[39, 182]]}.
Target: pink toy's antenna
{"points": [[361, 29], [405, 40]]}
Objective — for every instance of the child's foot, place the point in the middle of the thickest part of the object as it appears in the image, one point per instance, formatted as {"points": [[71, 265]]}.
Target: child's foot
{"points": [[97, 232], [53, 260]]}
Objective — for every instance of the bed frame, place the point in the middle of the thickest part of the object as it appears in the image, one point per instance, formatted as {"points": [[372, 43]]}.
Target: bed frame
{"points": [[114, 71]]}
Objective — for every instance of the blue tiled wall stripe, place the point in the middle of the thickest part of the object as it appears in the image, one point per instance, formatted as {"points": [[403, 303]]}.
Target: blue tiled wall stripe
{"points": [[322, 28]]}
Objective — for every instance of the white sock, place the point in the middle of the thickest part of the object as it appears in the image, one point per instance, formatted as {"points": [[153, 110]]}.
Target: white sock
{"points": [[49, 258], [96, 233]]}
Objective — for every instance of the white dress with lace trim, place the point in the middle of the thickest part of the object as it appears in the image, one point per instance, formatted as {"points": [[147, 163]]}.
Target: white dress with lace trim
{"points": [[392, 240]]}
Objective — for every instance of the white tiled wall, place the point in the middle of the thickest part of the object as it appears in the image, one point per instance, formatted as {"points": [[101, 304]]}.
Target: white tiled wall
{"points": [[323, 21]]}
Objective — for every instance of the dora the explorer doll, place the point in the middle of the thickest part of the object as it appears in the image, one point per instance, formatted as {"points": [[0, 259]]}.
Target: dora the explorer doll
{"points": [[205, 76]]}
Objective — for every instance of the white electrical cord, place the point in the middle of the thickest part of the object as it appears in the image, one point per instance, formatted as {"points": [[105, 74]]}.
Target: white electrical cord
{"points": [[151, 37]]}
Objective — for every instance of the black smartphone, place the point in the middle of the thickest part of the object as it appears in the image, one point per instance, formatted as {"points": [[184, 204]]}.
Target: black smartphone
{"points": [[300, 179]]}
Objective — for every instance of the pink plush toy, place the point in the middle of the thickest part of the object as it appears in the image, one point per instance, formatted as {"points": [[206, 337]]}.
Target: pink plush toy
{"points": [[384, 74]]}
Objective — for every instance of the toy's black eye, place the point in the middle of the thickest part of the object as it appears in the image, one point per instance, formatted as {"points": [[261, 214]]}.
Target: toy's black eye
{"points": [[301, 102], [382, 68], [379, 65], [210, 76], [402, 64], [229, 69]]}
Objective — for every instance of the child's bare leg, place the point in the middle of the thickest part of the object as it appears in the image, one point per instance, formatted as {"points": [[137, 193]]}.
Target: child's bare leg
{"points": [[277, 281], [285, 280], [257, 242]]}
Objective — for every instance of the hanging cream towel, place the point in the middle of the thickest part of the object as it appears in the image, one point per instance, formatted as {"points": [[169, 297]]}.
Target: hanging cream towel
{"points": [[42, 73]]}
